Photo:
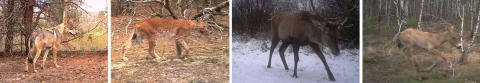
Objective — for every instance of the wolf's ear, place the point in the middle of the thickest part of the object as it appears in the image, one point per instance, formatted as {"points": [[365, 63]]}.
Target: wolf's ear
{"points": [[72, 32]]}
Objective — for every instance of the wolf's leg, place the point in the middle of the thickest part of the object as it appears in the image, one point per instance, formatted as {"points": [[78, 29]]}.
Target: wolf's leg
{"points": [[55, 53], [44, 58], [37, 54], [26, 63]]}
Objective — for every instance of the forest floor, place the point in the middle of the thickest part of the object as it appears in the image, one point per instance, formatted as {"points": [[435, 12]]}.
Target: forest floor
{"points": [[83, 66], [250, 58], [208, 62], [380, 67]]}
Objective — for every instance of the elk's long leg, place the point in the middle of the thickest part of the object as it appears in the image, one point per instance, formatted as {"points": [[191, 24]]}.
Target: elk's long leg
{"points": [[407, 53], [295, 58], [316, 49], [275, 41], [44, 58], [281, 51], [436, 52]]}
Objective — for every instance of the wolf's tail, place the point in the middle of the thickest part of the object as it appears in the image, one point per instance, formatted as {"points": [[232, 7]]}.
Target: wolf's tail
{"points": [[30, 46]]}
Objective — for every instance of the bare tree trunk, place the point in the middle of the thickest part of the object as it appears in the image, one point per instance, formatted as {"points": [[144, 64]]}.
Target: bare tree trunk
{"points": [[9, 18], [27, 21], [465, 54], [167, 6], [402, 13], [420, 16], [461, 15], [57, 10]]}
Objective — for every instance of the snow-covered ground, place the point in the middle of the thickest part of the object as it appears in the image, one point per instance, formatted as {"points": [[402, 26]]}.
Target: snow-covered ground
{"points": [[250, 60]]}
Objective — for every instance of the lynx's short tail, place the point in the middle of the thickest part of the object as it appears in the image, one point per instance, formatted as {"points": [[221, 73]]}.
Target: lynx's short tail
{"points": [[136, 38]]}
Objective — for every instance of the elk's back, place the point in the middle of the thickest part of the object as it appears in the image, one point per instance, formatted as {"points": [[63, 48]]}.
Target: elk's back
{"points": [[295, 27], [411, 37]]}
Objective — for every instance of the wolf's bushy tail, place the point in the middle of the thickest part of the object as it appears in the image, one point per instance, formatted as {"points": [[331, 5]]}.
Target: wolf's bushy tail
{"points": [[30, 46]]}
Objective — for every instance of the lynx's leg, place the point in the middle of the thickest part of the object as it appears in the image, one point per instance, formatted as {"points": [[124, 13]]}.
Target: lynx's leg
{"points": [[127, 45], [151, 47], [44, 58], [185, 47], [180, 35], [178, 49]]}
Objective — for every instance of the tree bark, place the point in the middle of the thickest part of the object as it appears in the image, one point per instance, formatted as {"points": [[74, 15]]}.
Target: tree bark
{"points": [[420, 16], [9, 18], [27, 21], [167, 6], [465, 54]]}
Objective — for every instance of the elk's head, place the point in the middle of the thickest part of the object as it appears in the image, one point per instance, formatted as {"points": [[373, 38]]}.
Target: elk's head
{"points": [[327, 35], [452, 36]]}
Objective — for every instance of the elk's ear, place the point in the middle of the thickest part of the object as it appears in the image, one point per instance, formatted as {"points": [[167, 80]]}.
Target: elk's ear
{"points": [[318, 24], [451, 28]]}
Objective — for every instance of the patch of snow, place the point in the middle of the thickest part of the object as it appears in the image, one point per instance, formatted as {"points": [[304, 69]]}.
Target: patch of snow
{"points": [[250, 59]]}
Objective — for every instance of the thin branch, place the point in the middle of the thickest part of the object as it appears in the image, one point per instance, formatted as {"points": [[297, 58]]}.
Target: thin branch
{"points": [[83, 34], [216, 8]]}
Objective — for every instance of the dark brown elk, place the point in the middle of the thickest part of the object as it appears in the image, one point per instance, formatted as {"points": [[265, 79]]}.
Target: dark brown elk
{"points": [[45, 40], [409, 39], [301, 28]]}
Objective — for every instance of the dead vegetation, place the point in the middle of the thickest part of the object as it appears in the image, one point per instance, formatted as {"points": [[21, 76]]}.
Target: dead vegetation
{"points": [[208, 59], [380, 66]]}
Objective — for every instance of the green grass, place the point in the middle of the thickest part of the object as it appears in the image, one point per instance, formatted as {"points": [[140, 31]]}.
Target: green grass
{"points": [[97, 39], [370, 23]]}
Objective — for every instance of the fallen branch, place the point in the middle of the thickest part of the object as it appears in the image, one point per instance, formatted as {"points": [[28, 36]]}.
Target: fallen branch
{"points": [[83, 34], [216, 8]]}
